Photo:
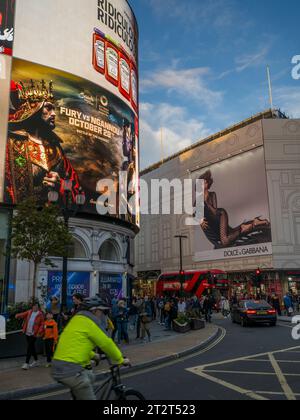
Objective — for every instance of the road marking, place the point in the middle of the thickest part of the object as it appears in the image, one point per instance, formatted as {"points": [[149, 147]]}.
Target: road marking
{"points": [[205, 372], [274, 393], [268, 360], [245, 358], [235, 388], [282, 380], [141, 372], [285, 326], [236, 372]]}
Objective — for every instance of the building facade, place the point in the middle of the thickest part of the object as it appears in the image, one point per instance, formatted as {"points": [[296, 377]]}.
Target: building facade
{"points": [[102, 259], [69, 121], [260, 161]]}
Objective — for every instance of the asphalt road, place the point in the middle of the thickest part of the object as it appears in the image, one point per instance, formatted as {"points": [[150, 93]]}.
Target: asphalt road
{"points": [[254, 363], [231, 375]]}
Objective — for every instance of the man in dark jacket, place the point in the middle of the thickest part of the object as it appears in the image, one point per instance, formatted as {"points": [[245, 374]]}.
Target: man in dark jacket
{"points": [[208, 306]]}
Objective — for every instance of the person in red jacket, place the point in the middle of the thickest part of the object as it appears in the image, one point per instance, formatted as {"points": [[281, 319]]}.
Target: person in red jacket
{"points": [[33, 328]]}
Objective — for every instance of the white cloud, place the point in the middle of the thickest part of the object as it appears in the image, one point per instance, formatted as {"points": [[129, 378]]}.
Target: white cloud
{"points": [[288, 100], [187, 82], [178, 129], [252, 60]]}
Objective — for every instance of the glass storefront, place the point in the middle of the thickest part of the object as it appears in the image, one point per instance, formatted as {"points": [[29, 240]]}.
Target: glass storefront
{"points": [[4, 234], [294, 282]]}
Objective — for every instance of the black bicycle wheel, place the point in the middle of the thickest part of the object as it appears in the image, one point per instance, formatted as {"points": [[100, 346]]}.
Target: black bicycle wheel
{"points": [[132, 395]]}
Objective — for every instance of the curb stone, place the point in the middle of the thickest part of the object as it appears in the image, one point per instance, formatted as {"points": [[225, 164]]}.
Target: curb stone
{"points": [[23, 394]]}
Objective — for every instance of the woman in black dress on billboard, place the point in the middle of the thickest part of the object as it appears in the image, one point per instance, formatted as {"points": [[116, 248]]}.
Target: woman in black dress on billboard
{"points": [[216, 222]]}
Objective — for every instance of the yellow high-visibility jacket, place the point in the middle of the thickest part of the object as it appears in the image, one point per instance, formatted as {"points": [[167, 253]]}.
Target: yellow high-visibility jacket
{"points": [[79, 339]]}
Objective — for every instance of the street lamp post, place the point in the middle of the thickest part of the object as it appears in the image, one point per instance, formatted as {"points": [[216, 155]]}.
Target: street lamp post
{"points": [[181, 237], [69, 209]]}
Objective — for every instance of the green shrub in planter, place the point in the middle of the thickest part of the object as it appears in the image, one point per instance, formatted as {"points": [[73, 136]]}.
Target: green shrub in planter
{"points": [[182, 324], [182, 319]]}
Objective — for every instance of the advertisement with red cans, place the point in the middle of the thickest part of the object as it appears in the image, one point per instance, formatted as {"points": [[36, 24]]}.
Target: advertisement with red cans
{"points": [[7, 14]]}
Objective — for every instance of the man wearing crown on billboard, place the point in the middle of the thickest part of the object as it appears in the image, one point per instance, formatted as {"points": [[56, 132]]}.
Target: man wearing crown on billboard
{"points": [[35, 162]]}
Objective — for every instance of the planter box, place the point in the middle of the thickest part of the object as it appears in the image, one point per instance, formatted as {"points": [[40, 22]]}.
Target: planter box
{"points": [[15, 346], [197, 324], [182, 329]]}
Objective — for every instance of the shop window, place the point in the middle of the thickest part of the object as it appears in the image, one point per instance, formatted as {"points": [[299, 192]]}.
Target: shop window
{"points": [[109, 251], [297, 228]]}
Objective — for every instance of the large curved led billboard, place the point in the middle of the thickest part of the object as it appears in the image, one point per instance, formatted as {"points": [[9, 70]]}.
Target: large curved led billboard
{"points": [[73, 113]]}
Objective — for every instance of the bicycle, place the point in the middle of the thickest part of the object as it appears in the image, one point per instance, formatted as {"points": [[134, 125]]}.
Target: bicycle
{"points": [[113, 387]]}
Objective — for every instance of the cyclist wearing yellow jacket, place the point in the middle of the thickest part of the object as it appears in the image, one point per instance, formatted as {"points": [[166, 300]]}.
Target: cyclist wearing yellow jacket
{"points": [[72, 360]]}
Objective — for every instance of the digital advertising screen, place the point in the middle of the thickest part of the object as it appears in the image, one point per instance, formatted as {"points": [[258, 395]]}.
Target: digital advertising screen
{"points": [[71, 93], [236, 209], [94, 39], [62, 127], [7, 15], [78, 283]]}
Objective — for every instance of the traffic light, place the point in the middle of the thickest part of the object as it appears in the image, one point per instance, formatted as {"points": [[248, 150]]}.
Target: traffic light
{"points": [[211, 279], [257, 278]]}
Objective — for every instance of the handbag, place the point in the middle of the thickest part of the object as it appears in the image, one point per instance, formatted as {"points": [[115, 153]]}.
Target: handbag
{"points": [[146, 319]]}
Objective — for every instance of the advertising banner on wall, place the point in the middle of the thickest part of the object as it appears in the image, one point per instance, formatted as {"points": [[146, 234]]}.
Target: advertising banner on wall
{"points": [[237, 217], [110, 286], [7, 15], [78, 282], [62, 127], [5, 70], [94, 39]]}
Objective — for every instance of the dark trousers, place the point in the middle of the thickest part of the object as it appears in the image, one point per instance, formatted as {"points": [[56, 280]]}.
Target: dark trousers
{"points": [[31, 350], [138, 327], [208, 315], [122, 331], [49, 348]]}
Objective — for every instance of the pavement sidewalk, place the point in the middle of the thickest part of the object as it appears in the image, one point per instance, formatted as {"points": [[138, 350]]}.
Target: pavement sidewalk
{"points": [[286, 318], [165, 346]]}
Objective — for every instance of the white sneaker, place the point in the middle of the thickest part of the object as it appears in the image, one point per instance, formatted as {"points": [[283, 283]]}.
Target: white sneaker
{"points": [[25, 366], [34, 365]]}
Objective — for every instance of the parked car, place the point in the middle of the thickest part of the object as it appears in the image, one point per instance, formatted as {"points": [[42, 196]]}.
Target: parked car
{"points": [[249, 312]]}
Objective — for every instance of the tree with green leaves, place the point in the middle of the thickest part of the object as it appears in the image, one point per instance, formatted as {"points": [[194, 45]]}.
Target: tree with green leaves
{"points": [[39, 233]]}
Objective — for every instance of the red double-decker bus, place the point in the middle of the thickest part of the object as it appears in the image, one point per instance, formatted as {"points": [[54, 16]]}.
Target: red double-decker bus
{"points": [[195, 283]]}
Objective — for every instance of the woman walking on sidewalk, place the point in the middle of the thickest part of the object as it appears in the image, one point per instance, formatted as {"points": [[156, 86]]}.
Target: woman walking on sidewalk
{"points": [[122, 322], [50, 337], [33, 328], [146, 319]]}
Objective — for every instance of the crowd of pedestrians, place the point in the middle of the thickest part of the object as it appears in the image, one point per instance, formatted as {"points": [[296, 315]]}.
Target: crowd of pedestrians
{"points": [[290, 304], [135, 316]]}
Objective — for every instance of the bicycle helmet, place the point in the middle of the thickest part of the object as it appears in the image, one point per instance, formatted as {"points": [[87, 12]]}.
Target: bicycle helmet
{"points": [[93, 303]]}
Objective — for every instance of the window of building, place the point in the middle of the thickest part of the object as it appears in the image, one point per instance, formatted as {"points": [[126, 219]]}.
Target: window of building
{"points": [[167, 242], [77, 250], [141, 248], [109, 251], [155, 243]]}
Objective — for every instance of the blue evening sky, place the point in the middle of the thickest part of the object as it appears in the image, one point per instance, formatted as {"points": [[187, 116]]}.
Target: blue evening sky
{"points": [[203, 66]]}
